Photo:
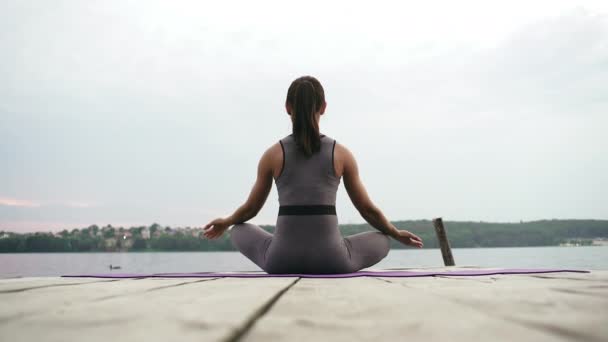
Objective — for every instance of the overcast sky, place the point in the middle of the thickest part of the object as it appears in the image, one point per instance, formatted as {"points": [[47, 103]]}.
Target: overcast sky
{"points": [[133, 112]]}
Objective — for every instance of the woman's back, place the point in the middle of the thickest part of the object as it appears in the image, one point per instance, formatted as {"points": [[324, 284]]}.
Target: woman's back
{"points": [[307, 181]]}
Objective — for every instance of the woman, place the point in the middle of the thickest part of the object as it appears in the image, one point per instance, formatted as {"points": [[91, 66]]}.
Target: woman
{"points": [[307, 167]]}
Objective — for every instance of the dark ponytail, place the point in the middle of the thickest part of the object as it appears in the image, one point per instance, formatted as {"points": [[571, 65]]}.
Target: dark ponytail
{"points": [[306, 97]]}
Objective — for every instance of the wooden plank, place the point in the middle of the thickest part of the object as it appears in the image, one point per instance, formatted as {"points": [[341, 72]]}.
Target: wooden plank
{"points": [[575, 308], [594, 276], [371, 309], [18, 304], [26, 284], [207, 311]]}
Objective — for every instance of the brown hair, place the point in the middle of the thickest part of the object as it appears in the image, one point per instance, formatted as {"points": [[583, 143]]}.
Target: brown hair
{"points": [[306, 96]]}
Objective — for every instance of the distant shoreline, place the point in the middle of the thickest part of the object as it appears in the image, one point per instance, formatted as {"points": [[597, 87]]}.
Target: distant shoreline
{"points": [[156, 238]]}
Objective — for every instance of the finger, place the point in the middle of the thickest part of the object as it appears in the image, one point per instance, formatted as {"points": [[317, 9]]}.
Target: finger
{"points": [[415, 243]]}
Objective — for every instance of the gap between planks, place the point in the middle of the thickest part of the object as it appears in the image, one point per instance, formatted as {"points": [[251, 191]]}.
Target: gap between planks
{"points": [[241, 331]]}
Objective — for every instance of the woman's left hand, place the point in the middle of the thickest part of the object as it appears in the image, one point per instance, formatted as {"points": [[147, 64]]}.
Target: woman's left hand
{"points": [[216, 228]]}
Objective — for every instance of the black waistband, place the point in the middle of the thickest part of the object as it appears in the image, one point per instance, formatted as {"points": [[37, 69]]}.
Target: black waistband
{"points": [[307, 210]]}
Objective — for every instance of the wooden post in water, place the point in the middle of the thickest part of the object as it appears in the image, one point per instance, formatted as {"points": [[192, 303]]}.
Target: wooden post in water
{"points": [[444, 243]]}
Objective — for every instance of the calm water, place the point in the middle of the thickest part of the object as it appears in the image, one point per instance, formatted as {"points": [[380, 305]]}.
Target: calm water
{"points": [[53, 264]]}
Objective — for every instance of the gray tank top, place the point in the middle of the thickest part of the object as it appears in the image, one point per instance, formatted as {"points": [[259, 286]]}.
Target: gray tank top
{"points": [[307, 180]]}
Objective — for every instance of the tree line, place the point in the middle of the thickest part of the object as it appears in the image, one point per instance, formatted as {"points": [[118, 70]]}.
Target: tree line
{"points": [[157, 238]]}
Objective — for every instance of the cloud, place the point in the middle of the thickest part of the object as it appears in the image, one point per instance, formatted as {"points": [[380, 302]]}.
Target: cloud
{"points": [[13, 202], [25, 226]]}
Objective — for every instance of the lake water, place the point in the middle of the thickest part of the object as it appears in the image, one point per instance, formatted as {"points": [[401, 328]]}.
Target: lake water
{"points": [[54, 264]]}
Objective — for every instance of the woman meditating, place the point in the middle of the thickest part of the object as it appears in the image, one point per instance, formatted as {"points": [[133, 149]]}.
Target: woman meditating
{"points": [[307, 167]]}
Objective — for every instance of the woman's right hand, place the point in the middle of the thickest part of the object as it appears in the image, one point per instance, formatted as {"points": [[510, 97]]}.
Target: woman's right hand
{"points": [[408, 238], [216, 228]]}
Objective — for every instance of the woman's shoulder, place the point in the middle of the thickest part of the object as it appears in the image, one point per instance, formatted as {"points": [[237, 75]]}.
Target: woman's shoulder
{"points": [[272, 159], [342, 153], [275, 148]]}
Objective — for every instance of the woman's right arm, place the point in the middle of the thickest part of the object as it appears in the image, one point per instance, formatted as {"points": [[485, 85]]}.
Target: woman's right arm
{"points": [[358, 195]]}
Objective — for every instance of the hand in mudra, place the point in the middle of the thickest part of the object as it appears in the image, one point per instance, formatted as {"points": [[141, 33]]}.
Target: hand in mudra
{"points": [[408, 238], [216, 228]]}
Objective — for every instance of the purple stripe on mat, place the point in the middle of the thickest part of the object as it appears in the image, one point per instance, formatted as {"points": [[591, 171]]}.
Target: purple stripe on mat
{"points": [[474, 272]]}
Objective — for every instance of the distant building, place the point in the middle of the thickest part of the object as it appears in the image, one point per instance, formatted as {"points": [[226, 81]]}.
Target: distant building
{"points": [[126, 244], [110, 243], [145, 233]]}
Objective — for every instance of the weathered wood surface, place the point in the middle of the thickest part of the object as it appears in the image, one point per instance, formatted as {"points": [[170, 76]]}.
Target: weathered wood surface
{"points": [[25, 284], [542, 307]]}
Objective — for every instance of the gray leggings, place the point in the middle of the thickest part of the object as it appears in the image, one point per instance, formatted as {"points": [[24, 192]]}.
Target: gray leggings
{"points": [[308, 245]]}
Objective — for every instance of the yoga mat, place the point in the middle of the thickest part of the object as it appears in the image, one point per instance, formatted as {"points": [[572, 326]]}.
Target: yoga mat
{"points": [[404, 274]]}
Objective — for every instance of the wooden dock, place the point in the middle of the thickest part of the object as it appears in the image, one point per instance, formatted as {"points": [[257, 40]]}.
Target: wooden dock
{"points": [[541, 307]]}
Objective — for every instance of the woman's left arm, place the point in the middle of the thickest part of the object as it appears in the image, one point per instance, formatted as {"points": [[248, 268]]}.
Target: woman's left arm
{"points": [[253, 205]]}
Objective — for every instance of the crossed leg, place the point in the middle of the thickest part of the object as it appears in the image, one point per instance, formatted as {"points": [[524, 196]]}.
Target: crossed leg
{"points": [[252, 241], [366, 249]]}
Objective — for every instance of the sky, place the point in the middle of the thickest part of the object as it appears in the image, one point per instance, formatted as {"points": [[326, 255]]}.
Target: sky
{"points": [[133, 112]]}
